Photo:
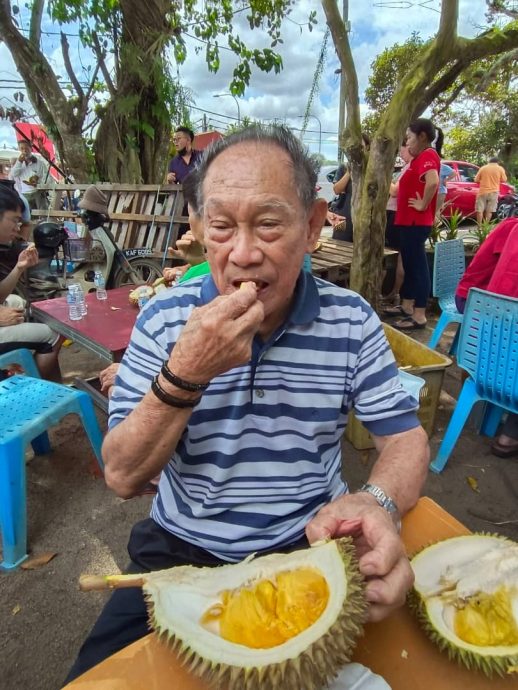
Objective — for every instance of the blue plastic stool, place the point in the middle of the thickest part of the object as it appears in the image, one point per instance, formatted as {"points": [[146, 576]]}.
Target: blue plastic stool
{"points": [[24, 358], [488, 351], [448, 268], [28, 407]]}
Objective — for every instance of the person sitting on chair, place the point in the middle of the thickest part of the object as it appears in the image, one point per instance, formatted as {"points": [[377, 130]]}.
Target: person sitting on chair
{"points": [[15, 332]]}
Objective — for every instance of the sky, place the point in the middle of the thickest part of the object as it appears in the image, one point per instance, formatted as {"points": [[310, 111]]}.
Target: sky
{"points": [[375, 25]]}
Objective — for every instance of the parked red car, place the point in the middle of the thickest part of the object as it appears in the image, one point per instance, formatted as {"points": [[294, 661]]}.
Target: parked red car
{"points": [[462, 190]]}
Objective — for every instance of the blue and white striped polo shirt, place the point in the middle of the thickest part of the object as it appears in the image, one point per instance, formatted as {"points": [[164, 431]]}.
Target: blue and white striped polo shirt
{"points": [[261, 453]]}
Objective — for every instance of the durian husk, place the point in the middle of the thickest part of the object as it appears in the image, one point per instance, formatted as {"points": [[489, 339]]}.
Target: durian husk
{"points": [[311, 670], [490, 665]]}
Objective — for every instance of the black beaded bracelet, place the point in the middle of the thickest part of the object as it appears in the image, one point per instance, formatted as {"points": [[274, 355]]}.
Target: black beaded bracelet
{"points": [[169, 399], [180, 383]]}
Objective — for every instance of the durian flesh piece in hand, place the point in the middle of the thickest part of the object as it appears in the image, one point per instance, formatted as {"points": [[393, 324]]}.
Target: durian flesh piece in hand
{"points": [[466, 595], [286, 621]]}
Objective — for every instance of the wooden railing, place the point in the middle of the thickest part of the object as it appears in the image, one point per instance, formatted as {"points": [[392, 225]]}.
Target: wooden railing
{"points": [[141, 216]]}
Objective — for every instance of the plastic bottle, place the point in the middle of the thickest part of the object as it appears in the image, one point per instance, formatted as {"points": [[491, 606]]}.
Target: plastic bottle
{"points": [[100, 286], [81, 297], [143, 296], [74, 305]]}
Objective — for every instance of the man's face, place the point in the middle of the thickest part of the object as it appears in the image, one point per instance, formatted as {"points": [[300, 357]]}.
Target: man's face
{"points": [[182, 142], [9, 224], [25, 149], [255, 227]]}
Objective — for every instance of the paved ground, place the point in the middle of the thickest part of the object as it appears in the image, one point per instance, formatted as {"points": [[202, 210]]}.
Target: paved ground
{"points": [[43, 616]]}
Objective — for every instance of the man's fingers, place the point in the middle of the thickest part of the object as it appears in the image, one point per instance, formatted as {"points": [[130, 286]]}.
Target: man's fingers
{"points": [[322, 526], [388, 593], [386, 548]]}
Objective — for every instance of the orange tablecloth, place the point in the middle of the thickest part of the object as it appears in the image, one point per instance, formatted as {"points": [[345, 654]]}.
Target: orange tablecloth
{"points": [[396, 648]]}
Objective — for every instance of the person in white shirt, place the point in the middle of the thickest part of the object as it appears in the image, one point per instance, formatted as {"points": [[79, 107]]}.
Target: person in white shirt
{"points": [[28, 172]]}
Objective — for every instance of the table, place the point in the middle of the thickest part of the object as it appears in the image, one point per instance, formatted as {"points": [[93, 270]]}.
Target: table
{"points": [[105, 330], [332, 260], [397, 648]]}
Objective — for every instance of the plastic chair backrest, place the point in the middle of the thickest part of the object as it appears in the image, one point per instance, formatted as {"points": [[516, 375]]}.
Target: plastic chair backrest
{"points": [[448, 268], [488, 345]]}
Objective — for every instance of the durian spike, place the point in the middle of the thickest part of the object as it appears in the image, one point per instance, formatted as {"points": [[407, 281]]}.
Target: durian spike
{"points": [[93, 583]]}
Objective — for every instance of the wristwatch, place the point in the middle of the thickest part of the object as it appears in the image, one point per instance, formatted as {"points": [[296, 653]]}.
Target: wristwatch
{"points": [[385, 502]]}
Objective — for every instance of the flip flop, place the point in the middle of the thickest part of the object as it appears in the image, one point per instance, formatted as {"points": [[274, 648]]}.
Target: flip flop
{"points": [[413, 325], [502, 451], [396, 311]]}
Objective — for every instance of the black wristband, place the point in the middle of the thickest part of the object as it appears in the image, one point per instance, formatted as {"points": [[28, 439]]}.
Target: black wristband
{"points": [[180, 383], [169, 399]]}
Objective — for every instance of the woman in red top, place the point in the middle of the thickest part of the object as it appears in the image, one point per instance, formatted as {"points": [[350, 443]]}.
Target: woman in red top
{"points": [[415, 214]]}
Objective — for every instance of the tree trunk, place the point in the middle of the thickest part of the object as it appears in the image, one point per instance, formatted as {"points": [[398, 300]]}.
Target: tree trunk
{"points": [[132, 140], [55, 110], [371, 178]]}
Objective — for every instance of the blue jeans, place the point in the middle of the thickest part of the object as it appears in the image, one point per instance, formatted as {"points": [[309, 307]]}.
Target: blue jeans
{"points": [[416, 285]]}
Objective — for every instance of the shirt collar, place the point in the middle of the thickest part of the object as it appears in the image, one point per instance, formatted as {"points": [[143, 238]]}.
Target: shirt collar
{"points": [[306, 306]]}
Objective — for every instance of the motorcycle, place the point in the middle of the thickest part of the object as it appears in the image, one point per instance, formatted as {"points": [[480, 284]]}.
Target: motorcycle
{"points": [[65, 258], [507, 207]]}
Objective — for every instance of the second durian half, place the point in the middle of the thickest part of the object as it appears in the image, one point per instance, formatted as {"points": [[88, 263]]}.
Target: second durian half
{"points": [[466, 596]]}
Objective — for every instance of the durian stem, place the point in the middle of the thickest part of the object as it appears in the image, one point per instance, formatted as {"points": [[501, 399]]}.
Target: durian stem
{"points": [[92, 583]]}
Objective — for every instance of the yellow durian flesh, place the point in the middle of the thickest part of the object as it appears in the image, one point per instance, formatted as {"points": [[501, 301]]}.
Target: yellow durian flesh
{"points": [[187, 604], [468, 608], [487, 620], [272, 611]]}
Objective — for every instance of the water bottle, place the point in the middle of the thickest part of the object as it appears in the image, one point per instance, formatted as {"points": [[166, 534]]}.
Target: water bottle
{"points": [[143, 296], [82, 301], [74, 305], [100, 286]]}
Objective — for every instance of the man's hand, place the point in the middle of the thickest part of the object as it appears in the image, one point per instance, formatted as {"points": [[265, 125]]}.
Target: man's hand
{"points": [[381, 554], [107, 377], [27, 258], [171, 178], [10, 316], [189, 249], [218, 336], [172, 273], [417, 203]]}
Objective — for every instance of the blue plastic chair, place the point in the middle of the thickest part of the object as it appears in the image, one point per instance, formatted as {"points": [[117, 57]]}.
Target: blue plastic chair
{"points": [[28, 407], [24, 358], [448, 268], [488, 351]]}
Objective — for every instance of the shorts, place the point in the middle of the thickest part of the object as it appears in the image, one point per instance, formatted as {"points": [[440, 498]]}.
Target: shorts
{"points": [[34, 336], [486, 202], [392, 232]]}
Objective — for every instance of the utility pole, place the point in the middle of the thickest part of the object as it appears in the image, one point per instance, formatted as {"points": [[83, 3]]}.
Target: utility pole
{"points": [[204, 125], [341, 105]]}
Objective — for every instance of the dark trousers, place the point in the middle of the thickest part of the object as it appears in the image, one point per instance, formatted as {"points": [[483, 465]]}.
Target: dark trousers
{"points": [[416, 285], [124, 617]]}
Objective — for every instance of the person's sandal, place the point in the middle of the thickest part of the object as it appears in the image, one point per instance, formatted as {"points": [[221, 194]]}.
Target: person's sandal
{"points": [[409, 324], [396, 310], [507, 451]]}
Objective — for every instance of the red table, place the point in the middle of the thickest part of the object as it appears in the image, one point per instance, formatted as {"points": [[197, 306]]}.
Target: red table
{"points": [[105, 330]]}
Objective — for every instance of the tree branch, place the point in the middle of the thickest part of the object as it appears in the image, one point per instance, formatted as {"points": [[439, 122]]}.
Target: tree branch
{"points": [[498, 7], [451, 98], [439, 86], [35, 25], [100, 54], [65, 49], [447, 34], [508, 58], [343, 49]]}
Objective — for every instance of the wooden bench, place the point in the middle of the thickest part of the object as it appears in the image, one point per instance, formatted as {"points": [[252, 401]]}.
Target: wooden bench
{"points": [[141, 216]]}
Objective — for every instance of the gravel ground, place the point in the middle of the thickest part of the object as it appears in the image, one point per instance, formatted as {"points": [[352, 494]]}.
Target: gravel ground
{"points": [[43, 616]]}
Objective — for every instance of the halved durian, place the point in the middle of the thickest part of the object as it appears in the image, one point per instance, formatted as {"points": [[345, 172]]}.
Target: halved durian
{"points": [[466, 595], [283, 621]]}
